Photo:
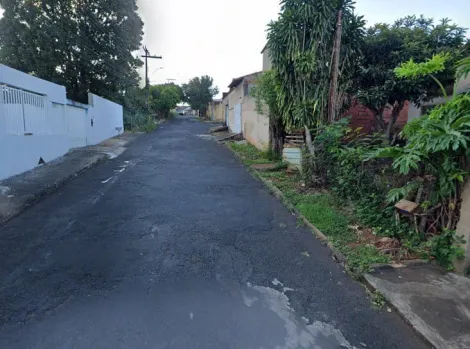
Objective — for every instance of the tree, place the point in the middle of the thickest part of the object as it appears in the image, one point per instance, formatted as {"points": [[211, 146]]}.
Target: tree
{"points": [[301, 44], [386, 46], [85, 45], [267, 103], [164, 98], [198, 93]]}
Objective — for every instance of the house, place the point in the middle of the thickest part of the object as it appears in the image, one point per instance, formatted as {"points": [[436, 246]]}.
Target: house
{"points": [[267, 65], [215, 110], [240, 112]]}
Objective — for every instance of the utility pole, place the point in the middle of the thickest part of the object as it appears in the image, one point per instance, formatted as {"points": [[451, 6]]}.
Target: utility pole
{"points": [[168, 81], [147, 56], [335, 69]]}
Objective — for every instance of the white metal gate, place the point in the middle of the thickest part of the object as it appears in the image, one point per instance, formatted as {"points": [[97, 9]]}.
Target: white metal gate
{"points": [[77, 123], [237, 121], [24, 112]]}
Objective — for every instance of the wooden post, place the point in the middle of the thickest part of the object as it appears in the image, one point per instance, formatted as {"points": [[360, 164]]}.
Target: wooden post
{"points": [[335, 69]]}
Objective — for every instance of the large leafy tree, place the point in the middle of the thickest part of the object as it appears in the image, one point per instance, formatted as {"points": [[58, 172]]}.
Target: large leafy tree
{"points": [[86, 45], [301, 46], [386, 46], [198, 93], [164, 98]]}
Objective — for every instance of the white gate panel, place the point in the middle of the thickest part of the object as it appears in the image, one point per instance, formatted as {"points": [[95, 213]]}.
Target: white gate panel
{"points": [[77, 120], [24, 112], [237, 122]]}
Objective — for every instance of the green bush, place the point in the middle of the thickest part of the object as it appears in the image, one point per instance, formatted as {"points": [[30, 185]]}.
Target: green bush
{"points": [[138, 121]]}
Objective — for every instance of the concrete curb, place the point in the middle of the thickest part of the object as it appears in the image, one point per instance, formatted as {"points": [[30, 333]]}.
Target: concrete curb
{"points": [[49, 189], [373, 288], [337, 255]]}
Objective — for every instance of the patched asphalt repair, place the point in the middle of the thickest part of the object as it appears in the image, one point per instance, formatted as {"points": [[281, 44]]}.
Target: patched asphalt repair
{"points": [[175, 245]]}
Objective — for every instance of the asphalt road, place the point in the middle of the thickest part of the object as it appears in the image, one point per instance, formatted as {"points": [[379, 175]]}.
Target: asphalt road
{"points": [[174, 245]]}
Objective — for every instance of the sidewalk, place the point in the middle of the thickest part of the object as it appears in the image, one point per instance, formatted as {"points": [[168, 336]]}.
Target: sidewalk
{"points": [[435, 303], [23, 190]]}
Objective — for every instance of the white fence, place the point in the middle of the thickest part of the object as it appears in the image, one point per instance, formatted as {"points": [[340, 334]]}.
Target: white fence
{"points": [[38, 122], [25, 112]]}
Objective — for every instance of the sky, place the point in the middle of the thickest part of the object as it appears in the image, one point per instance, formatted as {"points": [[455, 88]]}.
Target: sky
{"points": [[224, 38]]}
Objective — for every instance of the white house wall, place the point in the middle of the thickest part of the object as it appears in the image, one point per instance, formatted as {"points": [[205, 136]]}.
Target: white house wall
{"points": [[30, 131]]}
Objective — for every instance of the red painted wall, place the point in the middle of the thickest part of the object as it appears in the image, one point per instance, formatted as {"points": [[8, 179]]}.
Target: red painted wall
{"points": [[361, 116]]}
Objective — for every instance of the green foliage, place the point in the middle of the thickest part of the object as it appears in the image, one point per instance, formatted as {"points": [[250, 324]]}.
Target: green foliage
{"points": [[86, 48], [387, 46], [198, 93], [397, 194], [250, 154], [265, 94], [300, 43], [320, 209], [463, 68], [436, 145], [445, 248], [436, 155], [378, 300], [164, 98], [138, 121], [414, 70]]}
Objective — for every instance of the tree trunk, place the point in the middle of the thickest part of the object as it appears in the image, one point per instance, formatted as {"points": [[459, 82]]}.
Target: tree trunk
{"points": [[276, 136], [379, 120], [396, 110], [335, 70], [309, 142]]}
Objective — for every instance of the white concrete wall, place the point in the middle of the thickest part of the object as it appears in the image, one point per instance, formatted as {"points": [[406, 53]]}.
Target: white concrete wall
{"points": [[463, 229], [52, 131], [255, 125], [9, 76], [267, 65], [22, 153], [107, 119]]}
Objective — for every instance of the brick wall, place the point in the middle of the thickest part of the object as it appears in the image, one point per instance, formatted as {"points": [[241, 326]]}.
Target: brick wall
{"points": [[363, 117]]}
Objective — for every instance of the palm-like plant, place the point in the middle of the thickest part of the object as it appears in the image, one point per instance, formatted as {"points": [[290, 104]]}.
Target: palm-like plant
{"points": [[300, 43]]}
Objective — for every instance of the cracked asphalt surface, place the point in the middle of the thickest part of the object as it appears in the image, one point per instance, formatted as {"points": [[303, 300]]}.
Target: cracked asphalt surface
{"points": [[175, 245]]}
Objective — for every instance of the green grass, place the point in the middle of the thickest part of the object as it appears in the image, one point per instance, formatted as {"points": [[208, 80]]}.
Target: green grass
{"points": [[250, 154], [319, 208]]}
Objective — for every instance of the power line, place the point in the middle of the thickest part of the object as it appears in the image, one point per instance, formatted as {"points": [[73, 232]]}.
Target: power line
{"points": [[147, 56]]}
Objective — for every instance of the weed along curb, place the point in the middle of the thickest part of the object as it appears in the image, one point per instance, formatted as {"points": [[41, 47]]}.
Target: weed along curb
{"points": [[319, 235], [365, 277], [336, 254]]}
